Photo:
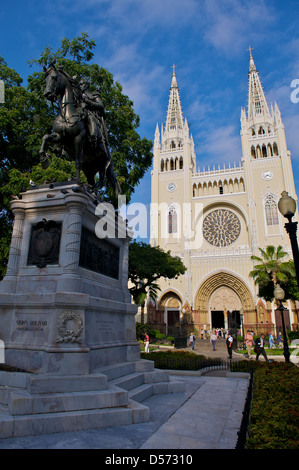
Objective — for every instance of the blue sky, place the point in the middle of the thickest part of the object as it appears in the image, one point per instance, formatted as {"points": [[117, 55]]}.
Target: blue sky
{"points": [[139, 40]]}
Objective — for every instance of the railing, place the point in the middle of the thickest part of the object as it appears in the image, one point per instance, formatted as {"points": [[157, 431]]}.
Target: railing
{"points": [[244, 429], [200, 364]]}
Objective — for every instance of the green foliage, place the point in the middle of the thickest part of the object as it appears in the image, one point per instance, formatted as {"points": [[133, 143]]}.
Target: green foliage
{"points": [[147, 264], [273, 270], [274, 411], [178, 360], [293, 335], [142, 328], [160, 336], [170, 339]]}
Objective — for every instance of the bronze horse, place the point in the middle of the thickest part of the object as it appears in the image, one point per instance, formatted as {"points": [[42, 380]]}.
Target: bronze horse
{"points": [[70, 131]]}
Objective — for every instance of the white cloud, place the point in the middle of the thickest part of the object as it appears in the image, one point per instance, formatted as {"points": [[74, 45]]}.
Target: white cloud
{"points": [[231, 23], [220, 145]]}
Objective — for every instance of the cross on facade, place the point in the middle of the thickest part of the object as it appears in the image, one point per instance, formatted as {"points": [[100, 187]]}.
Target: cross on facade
{"points": [[173, 69], [250, 49]]}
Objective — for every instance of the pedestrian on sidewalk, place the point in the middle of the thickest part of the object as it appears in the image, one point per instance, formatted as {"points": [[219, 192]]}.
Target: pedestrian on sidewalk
{"points": [[192, 340], [271, 341], [146, 342], [249, 342], [259, 347], [213, 339], [229, 345], [280, 340]]}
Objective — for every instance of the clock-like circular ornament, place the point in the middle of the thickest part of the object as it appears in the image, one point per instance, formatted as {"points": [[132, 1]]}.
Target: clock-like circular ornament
{"points": [[171, 187], [221, 227], [267, 175]]}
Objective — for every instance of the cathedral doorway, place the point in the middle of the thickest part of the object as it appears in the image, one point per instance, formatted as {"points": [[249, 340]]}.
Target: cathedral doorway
{"points": [[173, 323], [169, 308], [218, 319], [220, 299]]}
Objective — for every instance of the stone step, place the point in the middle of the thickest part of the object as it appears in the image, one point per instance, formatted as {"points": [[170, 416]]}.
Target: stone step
{"points": [[156, 376], [60, 384], [142, 392], [117, 370], [169, 387], [13, 379], [126, 368], [130, 381], [146, 390], [32, 425], [22, 403]]}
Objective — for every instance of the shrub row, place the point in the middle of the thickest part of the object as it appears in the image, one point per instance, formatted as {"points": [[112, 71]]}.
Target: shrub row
{"points": [[274, 412]]}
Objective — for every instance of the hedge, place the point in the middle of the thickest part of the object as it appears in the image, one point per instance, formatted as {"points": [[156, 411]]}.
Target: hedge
{"points": [[274, 412]]}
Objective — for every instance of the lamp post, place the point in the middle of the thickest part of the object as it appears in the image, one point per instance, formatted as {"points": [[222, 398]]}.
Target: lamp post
{"points": [[279, 296], [287, 207], [242, 325]]}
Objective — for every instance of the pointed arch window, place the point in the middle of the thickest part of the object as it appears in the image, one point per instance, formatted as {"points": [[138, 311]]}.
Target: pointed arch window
{"points": [[172, 220], [271, 211]]}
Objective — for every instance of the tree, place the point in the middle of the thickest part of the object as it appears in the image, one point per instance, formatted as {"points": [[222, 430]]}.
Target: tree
{"points": [[26, 116], [147, 264], [272, 271]]}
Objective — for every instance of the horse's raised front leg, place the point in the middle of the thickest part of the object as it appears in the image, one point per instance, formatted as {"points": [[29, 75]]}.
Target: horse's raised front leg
{"points": [[43, 156]]}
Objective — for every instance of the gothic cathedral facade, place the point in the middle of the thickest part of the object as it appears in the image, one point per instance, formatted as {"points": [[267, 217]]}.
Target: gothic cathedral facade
{"points": [[216, 219]]}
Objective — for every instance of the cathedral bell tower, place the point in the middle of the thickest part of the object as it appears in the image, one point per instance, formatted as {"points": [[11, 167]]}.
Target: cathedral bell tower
{"points": [[266, 162], [173, 165]]}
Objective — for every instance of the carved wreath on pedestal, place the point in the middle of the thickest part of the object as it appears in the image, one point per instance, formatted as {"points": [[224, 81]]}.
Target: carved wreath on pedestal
{"points": [[69, 328], [221, 227]]}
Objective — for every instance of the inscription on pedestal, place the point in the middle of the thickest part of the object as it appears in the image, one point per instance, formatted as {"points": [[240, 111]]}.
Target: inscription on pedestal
{"points": [[30, 328], [98, 255]]}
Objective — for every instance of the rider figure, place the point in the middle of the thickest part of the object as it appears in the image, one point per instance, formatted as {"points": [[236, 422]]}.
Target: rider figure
{"points": [[95, 112]]}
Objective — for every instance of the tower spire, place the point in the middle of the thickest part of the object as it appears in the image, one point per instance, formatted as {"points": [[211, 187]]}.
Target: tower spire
{"points": [[257, 103], [174, 120], [173, 81]]}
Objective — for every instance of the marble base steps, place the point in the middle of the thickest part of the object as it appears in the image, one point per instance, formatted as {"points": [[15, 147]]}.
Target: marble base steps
{"points": [[141, 380], [34, 404]]}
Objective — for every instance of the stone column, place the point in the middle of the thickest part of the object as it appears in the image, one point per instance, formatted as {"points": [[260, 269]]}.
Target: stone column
{"points": [[76, 204], [9, 282]]}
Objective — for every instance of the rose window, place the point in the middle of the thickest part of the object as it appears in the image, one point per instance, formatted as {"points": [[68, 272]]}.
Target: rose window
{"points": [[221, 227]]}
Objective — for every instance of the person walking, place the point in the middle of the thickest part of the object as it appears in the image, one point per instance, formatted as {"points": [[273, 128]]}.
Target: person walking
{"points": [[213, 339], [259, 347], [192, 340], [249, 341], [271, 341], [146, 342], [280, 340], [229, 345]]}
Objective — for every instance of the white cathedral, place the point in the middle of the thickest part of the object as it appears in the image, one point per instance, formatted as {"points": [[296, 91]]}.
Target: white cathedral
{"points": [[216, 219]]}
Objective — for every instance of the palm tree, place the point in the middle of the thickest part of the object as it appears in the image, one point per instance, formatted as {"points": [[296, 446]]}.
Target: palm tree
{"points": [[271, 270]]}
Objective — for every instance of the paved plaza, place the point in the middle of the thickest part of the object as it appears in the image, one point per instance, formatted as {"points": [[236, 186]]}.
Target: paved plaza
{"points": [[206, 416]]}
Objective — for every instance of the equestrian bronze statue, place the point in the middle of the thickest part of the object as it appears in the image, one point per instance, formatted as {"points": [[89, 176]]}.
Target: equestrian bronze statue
{"points": [[79, 130]]}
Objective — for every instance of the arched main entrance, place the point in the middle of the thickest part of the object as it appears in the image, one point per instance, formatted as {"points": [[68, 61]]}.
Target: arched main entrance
{"points": [[224, 308], [221, 298]]}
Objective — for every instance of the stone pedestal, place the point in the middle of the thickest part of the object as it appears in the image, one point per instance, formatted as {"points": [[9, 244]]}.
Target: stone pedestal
{"points": [[65, 304], [67, 321]]}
